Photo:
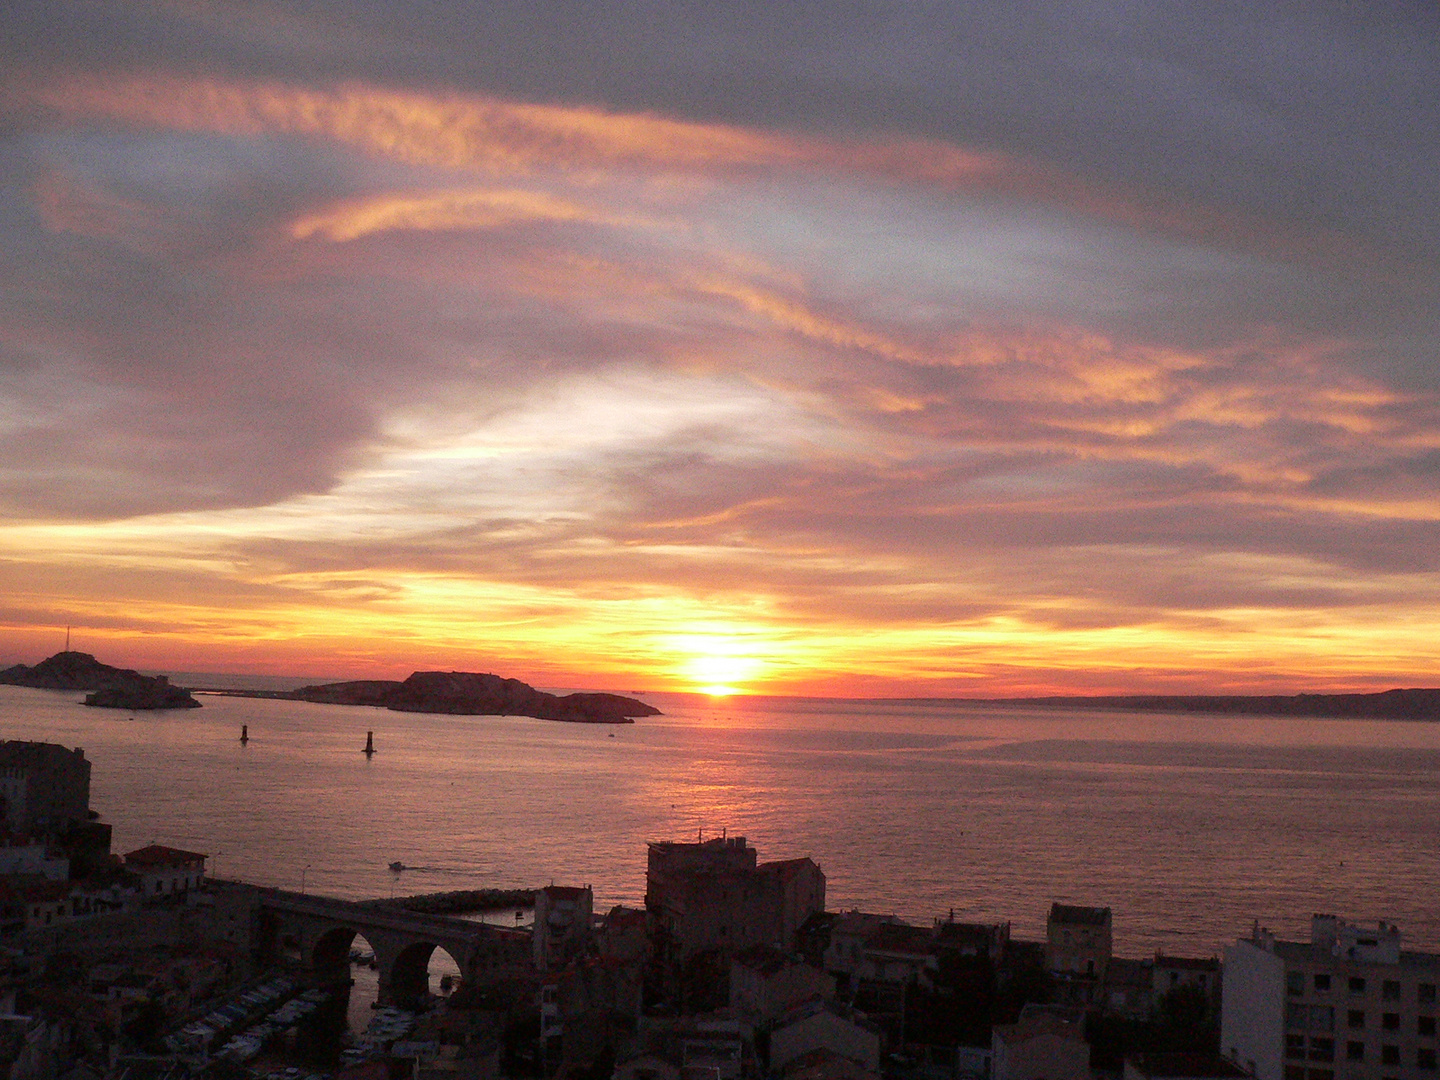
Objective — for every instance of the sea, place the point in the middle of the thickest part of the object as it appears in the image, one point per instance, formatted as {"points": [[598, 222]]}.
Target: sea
{"points": [[1191, 828]]}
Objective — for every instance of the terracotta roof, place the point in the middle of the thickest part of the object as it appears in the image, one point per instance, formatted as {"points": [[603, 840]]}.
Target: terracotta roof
{"points": [[160, 855]]}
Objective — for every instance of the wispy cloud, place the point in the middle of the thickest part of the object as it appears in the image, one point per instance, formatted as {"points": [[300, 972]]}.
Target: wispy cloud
{"points": [[299, 365]]}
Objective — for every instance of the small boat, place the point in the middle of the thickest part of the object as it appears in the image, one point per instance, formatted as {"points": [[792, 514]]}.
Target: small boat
{"points": [[397, 866]]}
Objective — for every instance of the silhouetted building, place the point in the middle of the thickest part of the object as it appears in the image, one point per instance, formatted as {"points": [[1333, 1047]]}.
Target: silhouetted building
{"points": [[1172, 973], [1181, 1065], [823, 1027], [1349, 1002], [766, 982], [715, 895], [43, 787], [563, 916], [166, 871], [972, 940], [1077, 951], [845, 936], [1040, 1047]]}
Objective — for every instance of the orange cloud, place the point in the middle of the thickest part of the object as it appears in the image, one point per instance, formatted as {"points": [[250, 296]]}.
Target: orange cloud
{"points": [[516, 138], [431, 211], [488, 134]]}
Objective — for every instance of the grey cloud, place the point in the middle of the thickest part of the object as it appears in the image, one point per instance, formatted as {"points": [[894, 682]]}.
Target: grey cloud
{"points": [[1299, 112]]}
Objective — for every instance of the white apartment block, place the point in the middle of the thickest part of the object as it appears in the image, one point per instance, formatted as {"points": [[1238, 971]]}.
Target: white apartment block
{"points": [[1349, 1004]]}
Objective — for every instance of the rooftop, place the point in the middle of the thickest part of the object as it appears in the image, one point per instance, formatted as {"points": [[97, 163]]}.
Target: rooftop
{"points": [[1180, 1064], [1074, 915], [160, 855], [765, 959]]}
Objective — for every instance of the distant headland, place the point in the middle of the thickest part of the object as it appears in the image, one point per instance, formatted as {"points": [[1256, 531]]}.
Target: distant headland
{"points": [[466, 693], [110, 687], [1412, 704]]}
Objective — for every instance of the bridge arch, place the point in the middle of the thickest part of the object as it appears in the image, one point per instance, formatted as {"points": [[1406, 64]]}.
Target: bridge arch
{"points": [[416, 970], [330, 955], [318, 932]]}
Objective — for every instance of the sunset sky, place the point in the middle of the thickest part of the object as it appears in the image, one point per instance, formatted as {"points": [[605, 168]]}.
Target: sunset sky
{"points": [[836, 348]]}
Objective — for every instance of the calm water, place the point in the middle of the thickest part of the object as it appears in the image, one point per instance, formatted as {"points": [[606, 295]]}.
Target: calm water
{"points": [[1189, 827]]}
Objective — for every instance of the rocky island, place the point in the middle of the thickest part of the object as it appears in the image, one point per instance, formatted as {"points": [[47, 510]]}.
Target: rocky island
{"points": [[466, 693], [110, 687]]}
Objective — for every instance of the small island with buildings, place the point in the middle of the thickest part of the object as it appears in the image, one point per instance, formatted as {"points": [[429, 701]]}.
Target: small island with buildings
{"points": [[123, 967], [109, 687]]}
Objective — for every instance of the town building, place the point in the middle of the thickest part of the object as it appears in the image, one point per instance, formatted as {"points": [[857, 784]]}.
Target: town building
{"points": [[28, 855], [1172, 973], [1349, 1004], [824, 1027], [166, 871], [963, 940], [844, 938], [897, 954], [716, 895], [1077, 951], [766, 982], [43, 787], [1180, 1065], [563, 917], [1042, 1046]]}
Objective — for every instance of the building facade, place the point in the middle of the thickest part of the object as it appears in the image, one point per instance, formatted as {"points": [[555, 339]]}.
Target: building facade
{"points": [[43, 787], [1349, 1004], [563, 919], [166, 871], [716, 895]]}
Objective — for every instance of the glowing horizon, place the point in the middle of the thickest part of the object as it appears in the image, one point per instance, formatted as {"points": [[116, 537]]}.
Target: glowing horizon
{"points": [[316, 361]]}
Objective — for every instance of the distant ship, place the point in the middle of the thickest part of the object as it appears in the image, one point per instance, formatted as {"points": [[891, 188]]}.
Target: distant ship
{"points": [[397, 866]]}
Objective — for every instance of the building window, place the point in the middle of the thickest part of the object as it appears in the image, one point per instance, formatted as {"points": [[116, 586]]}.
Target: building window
{"points": [[1294, 1072], [1390, 1055], [1297, 1016], [1425, 1058], [1322, 982], [1357, 985], [1295, 983], [1390, 990], [1322, 1018], [1354, 1051], [1322, 1074], [1355, 1018], [1390, 1021], [1425, 1025], [1425, 993], [1294, 1046], [1322, 1049]]}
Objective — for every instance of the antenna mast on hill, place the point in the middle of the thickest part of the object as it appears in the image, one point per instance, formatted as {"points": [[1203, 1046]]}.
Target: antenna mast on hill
{"points": [[67, 639]]}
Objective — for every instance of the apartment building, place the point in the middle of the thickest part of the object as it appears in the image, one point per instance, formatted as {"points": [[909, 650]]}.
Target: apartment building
{"points": [[715, 894], [1349, 1004]]}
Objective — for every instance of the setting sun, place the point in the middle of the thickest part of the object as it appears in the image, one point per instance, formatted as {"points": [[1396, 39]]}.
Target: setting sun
{"points": [[720, 666]]}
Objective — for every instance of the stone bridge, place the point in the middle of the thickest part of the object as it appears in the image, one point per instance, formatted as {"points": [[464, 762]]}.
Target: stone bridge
{"points": [[319, 931]]}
